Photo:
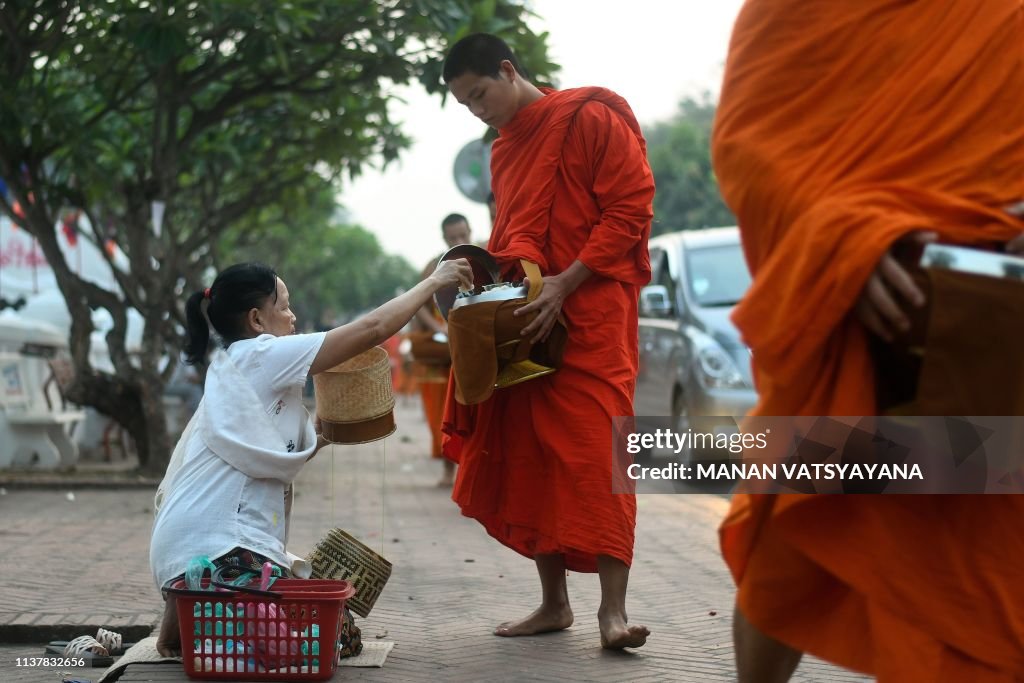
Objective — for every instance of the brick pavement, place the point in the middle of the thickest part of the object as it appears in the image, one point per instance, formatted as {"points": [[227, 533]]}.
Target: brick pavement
{"points": [[451, 582]]}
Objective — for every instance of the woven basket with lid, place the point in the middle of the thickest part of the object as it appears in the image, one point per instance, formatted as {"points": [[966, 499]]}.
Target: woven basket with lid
{"points": [[354, 400], [339, 555]]}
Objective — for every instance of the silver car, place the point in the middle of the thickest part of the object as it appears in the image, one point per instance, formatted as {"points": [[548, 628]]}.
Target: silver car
{"points": [[693, 364]]}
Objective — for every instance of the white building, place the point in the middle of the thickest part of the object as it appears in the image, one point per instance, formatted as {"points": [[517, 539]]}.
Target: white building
{"points": [[33, 345]]}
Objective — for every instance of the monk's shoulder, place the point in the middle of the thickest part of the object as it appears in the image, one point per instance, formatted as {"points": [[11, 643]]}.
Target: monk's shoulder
{"points": [[595, 112], [597, 122], [596, 126]]}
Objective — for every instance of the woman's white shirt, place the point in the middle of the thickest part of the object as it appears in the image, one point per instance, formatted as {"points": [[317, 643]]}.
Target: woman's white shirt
{"points": [[248, 441]]}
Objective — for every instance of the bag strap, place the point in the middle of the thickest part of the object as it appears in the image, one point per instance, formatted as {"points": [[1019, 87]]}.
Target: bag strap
{"points": [[535, 278], [536, 285]]}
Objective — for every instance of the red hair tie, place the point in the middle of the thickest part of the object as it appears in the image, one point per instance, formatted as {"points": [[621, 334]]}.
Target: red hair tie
{"points": [[206, 293]]}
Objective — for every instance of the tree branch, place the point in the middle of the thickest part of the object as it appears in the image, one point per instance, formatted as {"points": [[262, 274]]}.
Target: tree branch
{"points": [[18, 53], [204, 118], [119, 275], [220, 220]]}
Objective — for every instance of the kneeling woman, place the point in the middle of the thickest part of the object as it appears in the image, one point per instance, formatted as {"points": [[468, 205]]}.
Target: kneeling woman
{"points": [[223, 496]]}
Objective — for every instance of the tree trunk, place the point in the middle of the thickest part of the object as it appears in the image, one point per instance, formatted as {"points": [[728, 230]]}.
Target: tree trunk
{"points": [[151, 435], [133, 397], [138, 407]]}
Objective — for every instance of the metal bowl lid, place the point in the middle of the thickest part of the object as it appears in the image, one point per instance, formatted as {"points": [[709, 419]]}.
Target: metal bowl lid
{"points": [[499, 292], [485, 272]]}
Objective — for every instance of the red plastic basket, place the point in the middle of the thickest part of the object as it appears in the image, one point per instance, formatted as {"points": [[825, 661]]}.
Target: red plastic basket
{"points": [[289, 633]]}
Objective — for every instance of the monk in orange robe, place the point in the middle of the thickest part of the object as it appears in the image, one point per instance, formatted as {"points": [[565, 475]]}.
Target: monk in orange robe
{"points": [[432, 377], [843, 128], [574, 195]]}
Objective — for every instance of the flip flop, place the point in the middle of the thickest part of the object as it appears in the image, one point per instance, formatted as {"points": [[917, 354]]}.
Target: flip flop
{"points": [[110, 640], [113, 642], [83, 647]]}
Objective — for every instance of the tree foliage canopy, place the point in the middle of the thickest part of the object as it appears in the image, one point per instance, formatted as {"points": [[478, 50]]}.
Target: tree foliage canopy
{"points": [[219, 110], [333, 269], [679, 151]]}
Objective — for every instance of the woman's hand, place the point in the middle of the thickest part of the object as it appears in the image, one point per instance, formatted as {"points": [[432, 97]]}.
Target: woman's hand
{"points": [[321, 440], [878, 306], [454, 272]]}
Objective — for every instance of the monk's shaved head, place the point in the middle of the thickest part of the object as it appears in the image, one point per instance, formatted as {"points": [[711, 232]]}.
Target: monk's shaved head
{"points": [[480, 54]]}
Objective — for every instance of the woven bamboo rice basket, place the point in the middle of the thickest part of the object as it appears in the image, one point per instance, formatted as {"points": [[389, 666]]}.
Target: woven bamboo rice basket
{"points": [[354, 400], [340, 556]]}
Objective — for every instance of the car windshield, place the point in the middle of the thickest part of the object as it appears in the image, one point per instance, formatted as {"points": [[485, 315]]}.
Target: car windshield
{"points": [[718, 275]]}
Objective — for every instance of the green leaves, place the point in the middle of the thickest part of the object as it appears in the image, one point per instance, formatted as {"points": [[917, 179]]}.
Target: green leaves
{"points": [[679, 152], [159, 42], [240, 115], [456, 19], [483, 11], [333, 269]]}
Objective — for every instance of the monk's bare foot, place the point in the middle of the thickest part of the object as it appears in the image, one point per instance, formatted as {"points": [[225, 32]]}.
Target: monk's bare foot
{"points": [[168, 641], [448, 478], [617, 634], [544, 620]]}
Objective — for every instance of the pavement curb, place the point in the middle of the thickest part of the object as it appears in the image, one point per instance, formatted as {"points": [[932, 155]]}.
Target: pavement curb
{"points": [[77, 482], [44, 633]]}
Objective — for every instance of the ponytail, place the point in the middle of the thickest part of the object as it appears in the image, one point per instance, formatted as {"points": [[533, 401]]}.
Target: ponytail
{"points": [[198, 330], [236, 290]]}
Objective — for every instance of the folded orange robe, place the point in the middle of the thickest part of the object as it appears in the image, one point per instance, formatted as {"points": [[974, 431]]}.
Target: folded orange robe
{"points": [[841, 127], [571, 178]]}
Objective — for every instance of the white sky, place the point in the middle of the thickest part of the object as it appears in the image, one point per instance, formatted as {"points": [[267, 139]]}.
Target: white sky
{"points": [[652, 52]]}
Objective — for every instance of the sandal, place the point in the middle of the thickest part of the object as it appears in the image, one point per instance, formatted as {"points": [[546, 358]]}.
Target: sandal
{"points": [[110, 640], [82, 647]]}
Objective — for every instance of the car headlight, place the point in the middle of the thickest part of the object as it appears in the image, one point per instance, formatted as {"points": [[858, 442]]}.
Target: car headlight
{"points": [[715, 368], [712, 364]]}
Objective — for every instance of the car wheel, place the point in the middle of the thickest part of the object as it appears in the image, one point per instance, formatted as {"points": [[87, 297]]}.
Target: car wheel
{"points": [[645, 455], [680, 424]]}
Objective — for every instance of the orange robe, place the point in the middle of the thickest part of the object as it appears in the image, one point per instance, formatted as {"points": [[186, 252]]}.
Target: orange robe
{"points": [[391, 345], [843, 126], [433, 392], [432, 381], [572, 182]]}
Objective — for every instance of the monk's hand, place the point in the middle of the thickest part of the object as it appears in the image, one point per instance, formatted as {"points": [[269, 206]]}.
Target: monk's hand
{"points": [[548, 305], [454, 272], [878, 306]]}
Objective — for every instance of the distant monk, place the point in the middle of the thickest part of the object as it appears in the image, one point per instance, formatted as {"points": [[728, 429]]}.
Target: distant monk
{"points": [[432, 377], [842, 128], [574, 195]]}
